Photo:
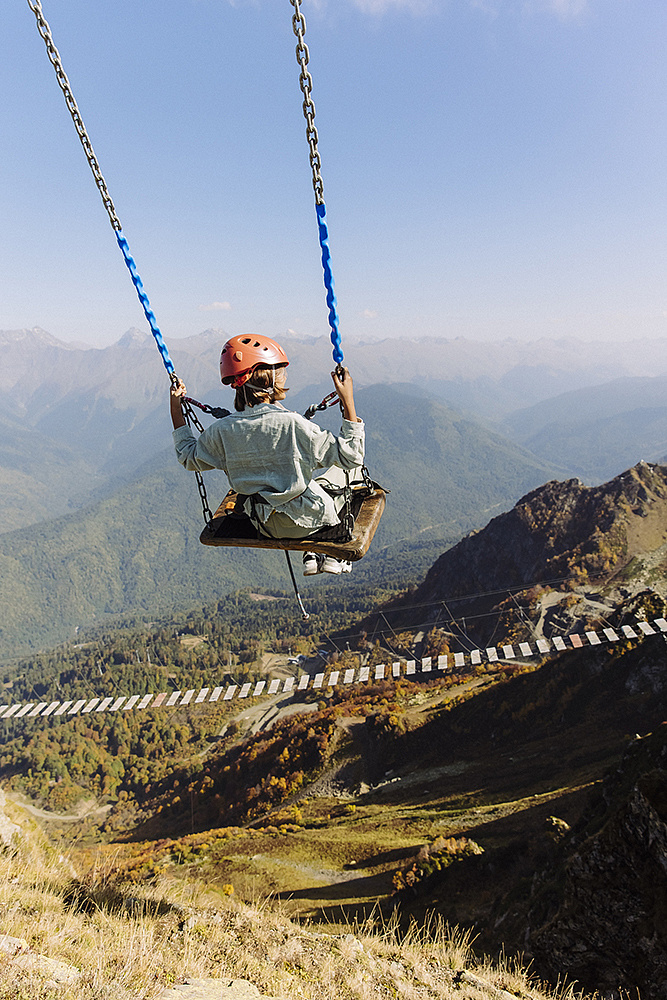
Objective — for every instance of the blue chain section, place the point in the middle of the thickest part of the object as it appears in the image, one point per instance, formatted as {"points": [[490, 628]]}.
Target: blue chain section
{"points": [[143, 298], [329, 281]]}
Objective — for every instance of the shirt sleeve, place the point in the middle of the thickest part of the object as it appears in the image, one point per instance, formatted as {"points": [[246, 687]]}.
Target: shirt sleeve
{"points": [[199, 454], [346, 450], [351, 444]]}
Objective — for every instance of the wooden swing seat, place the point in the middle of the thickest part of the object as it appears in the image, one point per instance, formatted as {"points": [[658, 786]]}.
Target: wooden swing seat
{"points": [[232, 528]]}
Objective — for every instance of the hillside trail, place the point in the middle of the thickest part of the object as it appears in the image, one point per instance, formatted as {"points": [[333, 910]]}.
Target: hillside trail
{"points": [[259, 717], [85, 809], [327, 876]]}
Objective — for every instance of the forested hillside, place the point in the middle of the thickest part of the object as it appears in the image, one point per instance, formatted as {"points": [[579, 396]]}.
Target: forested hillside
{"points": [[227, 640], [138, 549], [597, 431]]}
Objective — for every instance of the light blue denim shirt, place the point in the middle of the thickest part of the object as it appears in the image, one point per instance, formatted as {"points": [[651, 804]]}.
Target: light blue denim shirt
{"points": [[274, 452]]}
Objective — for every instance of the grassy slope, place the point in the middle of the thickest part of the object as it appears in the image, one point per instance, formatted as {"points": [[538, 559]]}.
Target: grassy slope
{"points": [[492, 767], [120, 941]]}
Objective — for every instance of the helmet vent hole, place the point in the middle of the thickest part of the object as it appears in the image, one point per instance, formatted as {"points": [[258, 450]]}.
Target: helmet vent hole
{"points": [[246, 340]]}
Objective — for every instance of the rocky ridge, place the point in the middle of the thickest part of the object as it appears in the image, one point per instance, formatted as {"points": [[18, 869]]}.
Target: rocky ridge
{"points": [[606, 923], [567, 553], [564, 531]]}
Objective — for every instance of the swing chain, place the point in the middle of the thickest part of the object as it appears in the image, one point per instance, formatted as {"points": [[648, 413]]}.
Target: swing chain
{"points": [[306, 85], [72, 107], [201, 486], [192, 420]]}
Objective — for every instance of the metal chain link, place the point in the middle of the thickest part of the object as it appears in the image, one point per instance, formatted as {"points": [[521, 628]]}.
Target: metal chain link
{"points": [[63, 82], [193, 420], [72, 107], [306, 85], [206, 510], [346, 517]]}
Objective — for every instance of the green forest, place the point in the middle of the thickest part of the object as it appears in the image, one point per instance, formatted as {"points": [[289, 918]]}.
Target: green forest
{"points": [[57, 759]]}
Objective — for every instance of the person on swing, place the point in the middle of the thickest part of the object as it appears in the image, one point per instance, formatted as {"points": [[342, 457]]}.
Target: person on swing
{"points": [[270, 454]]}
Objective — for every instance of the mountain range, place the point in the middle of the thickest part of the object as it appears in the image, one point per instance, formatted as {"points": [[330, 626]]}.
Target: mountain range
{"points": [[97, 519], [76, 420], [599, 430]]}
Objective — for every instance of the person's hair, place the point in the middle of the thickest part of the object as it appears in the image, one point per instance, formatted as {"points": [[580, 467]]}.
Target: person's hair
{"points": [[261, 388]]}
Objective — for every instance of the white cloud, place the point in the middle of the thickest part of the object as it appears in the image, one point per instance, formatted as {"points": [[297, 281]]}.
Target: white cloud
{"points": [[216, 307], [563, 9], [382, 6], [490, 7], [369, 314]]}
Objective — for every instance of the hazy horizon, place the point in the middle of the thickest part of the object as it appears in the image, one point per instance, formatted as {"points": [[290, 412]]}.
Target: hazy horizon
{"points": [[356, 339]]}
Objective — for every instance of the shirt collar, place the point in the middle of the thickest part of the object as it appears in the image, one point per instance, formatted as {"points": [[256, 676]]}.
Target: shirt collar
{"points": [[260, 408]]}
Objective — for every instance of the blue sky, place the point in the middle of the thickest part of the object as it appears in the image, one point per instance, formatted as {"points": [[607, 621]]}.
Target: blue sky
{"points": [[492, 168]]}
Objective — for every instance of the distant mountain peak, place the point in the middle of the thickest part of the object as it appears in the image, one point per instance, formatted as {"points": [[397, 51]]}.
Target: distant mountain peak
{"points": [[134, 338], [34, 336]]}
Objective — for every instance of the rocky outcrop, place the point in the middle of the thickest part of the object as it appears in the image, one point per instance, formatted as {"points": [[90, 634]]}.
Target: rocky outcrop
{"points": [[561, 530], [609, 928], [55, 974]]}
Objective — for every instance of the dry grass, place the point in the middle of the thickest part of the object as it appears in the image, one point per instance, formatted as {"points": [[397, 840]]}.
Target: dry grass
{"points": [[129, 943]]}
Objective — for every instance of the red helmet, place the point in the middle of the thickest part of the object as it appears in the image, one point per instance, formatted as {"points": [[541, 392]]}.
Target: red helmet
{"points": [[241, 355]]}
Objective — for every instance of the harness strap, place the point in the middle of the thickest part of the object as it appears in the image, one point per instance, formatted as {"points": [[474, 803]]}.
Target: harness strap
{"points": [[345, 514]]}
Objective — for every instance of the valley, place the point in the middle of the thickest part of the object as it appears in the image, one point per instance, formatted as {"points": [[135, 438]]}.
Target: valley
{"points": [[501, 774], [514, 790]]}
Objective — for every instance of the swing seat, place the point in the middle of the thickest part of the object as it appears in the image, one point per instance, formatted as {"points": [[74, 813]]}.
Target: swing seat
{"points": [[233, 528]]}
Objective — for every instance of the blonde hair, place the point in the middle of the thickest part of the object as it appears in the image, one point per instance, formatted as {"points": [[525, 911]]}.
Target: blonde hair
{"points": [[261, 388]]}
